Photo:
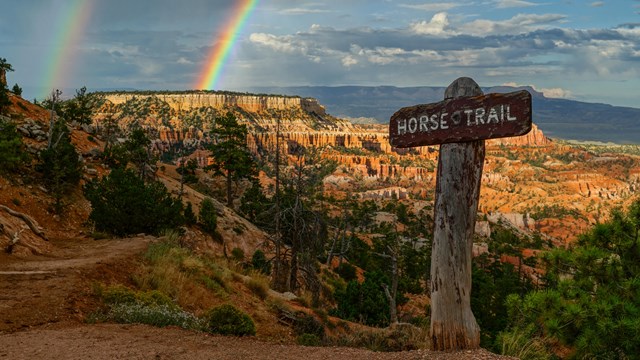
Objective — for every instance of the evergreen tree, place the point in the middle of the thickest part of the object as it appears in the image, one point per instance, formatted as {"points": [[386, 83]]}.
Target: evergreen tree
{"points": [[17, 90], [123, 204], [138, 151], [4, 68], [79, 109], [11, 147], [60, 164], [592, 303], [208, 217], [189, 215], [229, 150], [4, 94]]}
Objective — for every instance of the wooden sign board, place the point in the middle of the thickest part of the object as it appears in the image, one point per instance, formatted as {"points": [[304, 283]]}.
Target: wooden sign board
{"points": [[463, 119]]}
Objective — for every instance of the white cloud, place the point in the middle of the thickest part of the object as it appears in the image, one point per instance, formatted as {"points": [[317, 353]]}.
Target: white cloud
{"points": [[504, 4], [519, 24], [349, 61], [436, 26], [184, 61], [303, 11], [597, 4], [557, 93], [432, 7], [278, 43]]}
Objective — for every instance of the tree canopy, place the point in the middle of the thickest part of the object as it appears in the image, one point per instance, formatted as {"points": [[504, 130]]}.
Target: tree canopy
{"points": [[231, 157]]}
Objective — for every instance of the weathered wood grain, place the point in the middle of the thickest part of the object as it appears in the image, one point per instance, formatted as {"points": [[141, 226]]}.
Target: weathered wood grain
{"points": [[462, 119], [453, 326]]}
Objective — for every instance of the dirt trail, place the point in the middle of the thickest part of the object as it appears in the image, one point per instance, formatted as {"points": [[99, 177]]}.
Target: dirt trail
{"points": [[49, 289], [43, 301]]}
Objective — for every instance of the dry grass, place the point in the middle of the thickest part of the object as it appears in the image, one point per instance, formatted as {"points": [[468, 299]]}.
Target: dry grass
{"points": [[401, 337], [258, 284]]}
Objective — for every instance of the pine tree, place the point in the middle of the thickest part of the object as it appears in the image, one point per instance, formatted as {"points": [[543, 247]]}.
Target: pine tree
{"points": [[229, 150], [60, 164], [79, 109], [11, 147], [122, 203], [17, 90], [592, 303]]}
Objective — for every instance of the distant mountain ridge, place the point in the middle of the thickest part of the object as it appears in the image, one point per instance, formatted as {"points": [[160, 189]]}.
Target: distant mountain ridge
{"points": [[558, 118]]}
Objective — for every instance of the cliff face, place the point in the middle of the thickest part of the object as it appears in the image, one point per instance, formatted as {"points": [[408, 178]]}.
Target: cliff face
{"points": [[251, 103]]}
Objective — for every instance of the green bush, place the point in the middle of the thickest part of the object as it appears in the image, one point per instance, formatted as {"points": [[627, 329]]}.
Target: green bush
{"points": [[259, 262], [11, 148], [307, 324], [228, 320], [237, 254], [122, 204], [160, 316], [154, 308], [309, 340], [208, 218], [346, 271]]}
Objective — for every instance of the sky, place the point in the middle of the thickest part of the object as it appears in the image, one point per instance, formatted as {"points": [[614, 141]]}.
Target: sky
{"points": [[581, 50]]}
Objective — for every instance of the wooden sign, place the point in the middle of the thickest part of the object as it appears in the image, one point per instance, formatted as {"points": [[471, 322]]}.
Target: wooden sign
{"points": [[463, 119]]}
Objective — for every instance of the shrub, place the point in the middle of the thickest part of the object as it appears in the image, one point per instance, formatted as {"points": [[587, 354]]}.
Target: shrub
{"points": [[159, 316], [228, 320], [307, 324], [309, 340], [123, 204], [207, 217], [154, 308], [237, 254], [11, 148], [189, 215], [346, 271], [259, 262]]}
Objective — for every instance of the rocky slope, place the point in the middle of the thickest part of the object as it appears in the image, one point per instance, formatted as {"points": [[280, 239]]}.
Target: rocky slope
{"points": [[565, 187]]}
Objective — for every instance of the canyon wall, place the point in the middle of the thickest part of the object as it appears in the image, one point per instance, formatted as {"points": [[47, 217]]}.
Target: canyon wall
{"points": [[251, 103]]}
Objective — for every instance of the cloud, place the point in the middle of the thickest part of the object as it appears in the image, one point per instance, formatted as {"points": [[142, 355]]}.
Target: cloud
{"points": [[504, 4], [302, 11], [558, 93], [597, 4], [432, 6], [348, 61], [518, 24], [436, 26]]}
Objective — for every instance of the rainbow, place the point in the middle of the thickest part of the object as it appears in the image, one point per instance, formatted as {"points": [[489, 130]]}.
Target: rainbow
{"points": [[69, 27], [210, 74]]}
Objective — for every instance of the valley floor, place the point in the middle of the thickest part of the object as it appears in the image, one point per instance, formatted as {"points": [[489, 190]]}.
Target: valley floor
{"points": [[44, 300]]}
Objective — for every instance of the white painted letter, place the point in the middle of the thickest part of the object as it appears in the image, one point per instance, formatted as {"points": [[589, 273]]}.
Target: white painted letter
{"points": [[443, 122], [433, 121], [509, 115], [423, 123], [413, 125], [480, 116], [468, 112], [402, 126], [493, 116]]}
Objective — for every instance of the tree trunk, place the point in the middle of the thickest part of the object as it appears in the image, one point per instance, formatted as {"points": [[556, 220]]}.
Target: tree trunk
{"points": [[229, 198], [453, 326], [393, 293]]}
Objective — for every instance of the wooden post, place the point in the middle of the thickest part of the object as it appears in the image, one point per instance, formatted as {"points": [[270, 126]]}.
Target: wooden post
{"points": [[453, 325], [460, 123]]}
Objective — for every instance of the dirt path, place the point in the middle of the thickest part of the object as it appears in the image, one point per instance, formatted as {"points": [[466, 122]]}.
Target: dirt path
{"points": [[42, 290], [43, 301]]}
